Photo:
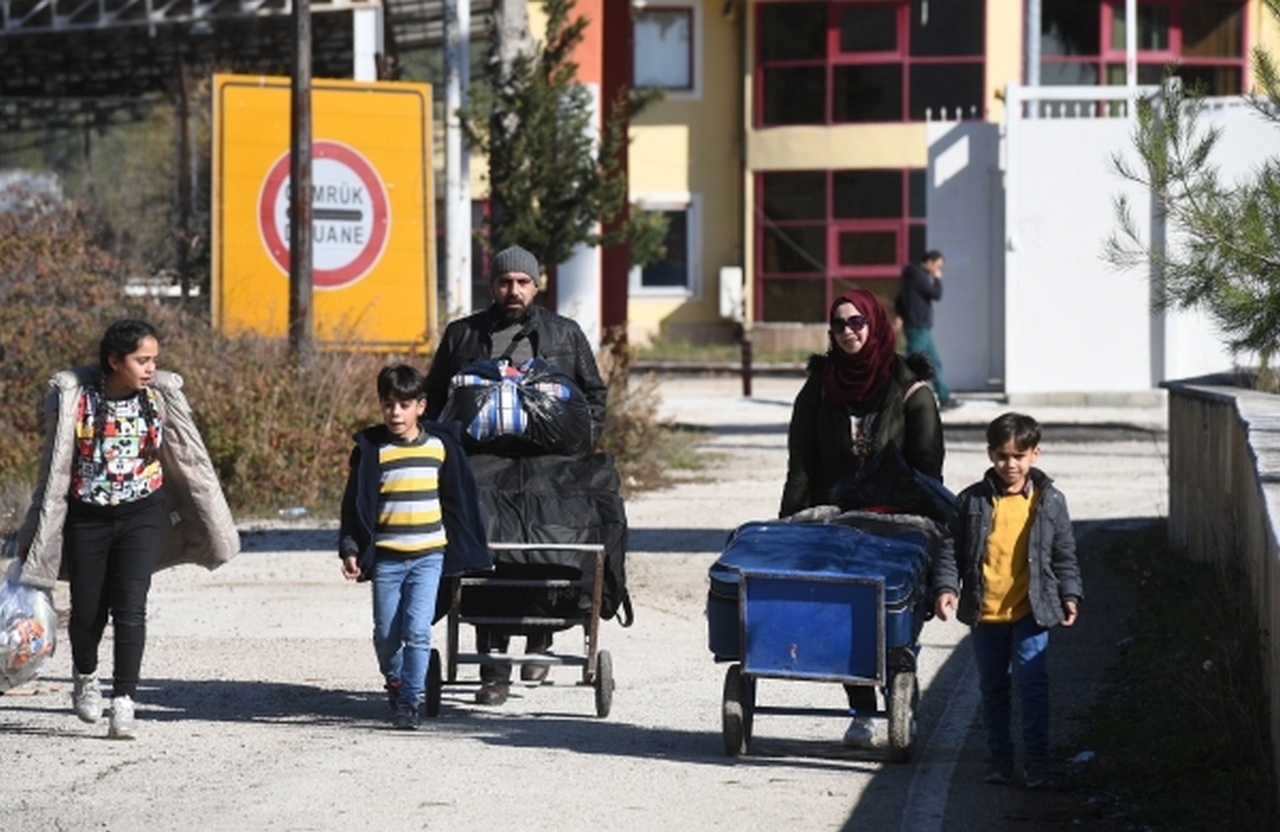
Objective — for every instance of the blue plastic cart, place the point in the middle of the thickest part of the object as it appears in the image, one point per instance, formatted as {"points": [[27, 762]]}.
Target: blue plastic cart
{"points": [[823, 601]]}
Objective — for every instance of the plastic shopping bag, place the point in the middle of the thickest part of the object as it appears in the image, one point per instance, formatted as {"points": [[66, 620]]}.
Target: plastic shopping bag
{"points": [[28, 630], [518, 410]]}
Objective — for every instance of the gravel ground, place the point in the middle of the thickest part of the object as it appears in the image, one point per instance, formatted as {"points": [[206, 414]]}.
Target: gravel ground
{"points": [[261, 705]]}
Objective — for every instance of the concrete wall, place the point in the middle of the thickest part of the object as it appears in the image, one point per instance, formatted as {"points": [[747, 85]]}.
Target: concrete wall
{"points": [[1071, 323], [966, 210], [1030, 306], [1224, 497]]}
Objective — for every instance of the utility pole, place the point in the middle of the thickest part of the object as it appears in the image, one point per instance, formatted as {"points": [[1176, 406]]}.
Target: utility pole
{"points": [[1031, 50], [457, 161], [182, 235], [301, 328], [1131, 45]]}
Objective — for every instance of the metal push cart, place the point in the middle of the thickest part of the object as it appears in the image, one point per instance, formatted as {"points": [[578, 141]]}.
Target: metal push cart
{"points": [[596, 664], [819, 602]]}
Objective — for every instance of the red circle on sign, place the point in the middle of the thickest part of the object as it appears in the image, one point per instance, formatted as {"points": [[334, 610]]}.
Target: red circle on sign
{"points": [[368, 254]]}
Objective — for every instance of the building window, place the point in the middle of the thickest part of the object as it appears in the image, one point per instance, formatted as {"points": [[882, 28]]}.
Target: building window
{"points": [[1082, 42], [823, 232], [676, 272], [857, 61], [666, 47]]}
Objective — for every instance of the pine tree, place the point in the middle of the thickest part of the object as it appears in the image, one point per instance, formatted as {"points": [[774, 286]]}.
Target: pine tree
{"points": [[554, 179], [1227, 262]]}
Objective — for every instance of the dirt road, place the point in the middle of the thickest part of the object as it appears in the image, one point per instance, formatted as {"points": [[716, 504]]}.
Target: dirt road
{"points": [[261, 706]]}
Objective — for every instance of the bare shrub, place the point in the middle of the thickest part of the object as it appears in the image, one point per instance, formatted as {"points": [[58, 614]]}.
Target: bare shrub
{"points": [[56, 290], [279, 436], [645, 446]]}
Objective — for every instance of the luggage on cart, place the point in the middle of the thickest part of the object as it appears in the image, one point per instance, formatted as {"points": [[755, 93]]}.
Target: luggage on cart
{"points": [[558, 529], [821, 601], [557, 500]]}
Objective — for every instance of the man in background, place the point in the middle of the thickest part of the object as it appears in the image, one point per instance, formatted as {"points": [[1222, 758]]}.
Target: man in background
{"points": [[921, 285]]}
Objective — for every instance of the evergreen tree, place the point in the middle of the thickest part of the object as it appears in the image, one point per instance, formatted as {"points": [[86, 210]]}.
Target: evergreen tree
{"points": [[1226, 260], [554, 179]]}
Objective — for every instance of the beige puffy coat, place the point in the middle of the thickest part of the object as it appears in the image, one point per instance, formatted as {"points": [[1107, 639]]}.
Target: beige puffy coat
{"points": [[202, 530]]}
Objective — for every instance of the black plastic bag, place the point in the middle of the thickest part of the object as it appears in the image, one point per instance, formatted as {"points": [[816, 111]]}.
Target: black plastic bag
{"points": [[553, 500], [886, 482], [518, 410]]}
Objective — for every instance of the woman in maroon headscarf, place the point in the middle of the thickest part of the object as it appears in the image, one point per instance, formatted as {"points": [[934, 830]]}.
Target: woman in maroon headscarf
{"points": [[860, 396]]}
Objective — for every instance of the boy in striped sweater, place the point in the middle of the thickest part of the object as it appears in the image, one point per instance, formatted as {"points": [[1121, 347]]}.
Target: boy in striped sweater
{"points": [[410, 514]]}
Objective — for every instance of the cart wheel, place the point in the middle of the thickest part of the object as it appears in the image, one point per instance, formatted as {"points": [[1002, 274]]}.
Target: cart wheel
{"points": [[431, 702], [604, 683], [904, 697], [737, 711]]}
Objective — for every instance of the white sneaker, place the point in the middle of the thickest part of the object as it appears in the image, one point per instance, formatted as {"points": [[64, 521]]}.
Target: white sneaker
{"points": [[123, 726], [86, 697], [860, 733]]}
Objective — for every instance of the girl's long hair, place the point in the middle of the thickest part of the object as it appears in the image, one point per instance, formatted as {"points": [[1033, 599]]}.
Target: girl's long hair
{"points": [[121, 339]]}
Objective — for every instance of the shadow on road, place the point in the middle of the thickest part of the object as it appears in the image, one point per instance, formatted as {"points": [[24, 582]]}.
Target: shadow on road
{"points": [[1081, 661], [290, 539]]}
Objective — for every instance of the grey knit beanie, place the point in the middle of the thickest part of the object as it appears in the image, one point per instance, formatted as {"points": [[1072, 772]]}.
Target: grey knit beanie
{"points": [[514, 259]]}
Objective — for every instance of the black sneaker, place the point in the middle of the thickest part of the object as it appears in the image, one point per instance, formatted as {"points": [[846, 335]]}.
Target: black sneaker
{"points": [[407, 718], [999, 771], [1036, 774]]}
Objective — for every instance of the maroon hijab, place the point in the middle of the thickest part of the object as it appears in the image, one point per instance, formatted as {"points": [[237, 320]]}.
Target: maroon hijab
{"points": [[850, 379]]}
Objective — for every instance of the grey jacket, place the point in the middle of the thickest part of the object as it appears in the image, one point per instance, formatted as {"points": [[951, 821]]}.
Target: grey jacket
{"points": [[202, 530], [1055, 574]]}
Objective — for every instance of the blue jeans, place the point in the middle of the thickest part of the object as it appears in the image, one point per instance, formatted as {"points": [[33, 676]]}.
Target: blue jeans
{"points": [[1014, 652], [404, 605], [920, 339]]}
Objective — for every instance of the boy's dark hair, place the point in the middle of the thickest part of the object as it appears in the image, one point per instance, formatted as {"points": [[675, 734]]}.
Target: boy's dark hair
{"points": [[1021, 428], [931, 255], [402, 383]]}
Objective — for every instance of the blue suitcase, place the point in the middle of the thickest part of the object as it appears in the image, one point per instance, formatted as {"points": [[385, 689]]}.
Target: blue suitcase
{"points": [[874, 586]]}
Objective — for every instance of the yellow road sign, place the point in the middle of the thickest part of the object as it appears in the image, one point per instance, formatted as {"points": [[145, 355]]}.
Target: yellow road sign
{"points": [[372, 202]]}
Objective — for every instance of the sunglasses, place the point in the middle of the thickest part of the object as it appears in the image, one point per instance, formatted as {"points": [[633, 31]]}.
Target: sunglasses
{"points": [[853, 322]]}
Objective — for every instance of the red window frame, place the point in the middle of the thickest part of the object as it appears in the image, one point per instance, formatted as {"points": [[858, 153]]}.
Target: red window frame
{"points": [[871, 277], [899, 57], [1109, 56]]}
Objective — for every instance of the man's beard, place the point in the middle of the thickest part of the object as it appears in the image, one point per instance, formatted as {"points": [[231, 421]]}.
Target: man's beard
{"points": [[511, 314]]}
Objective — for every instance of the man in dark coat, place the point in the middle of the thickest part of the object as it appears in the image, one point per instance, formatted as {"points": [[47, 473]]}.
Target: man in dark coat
{"points": [[513, 326]]}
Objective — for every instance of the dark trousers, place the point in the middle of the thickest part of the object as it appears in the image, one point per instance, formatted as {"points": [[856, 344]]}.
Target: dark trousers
{"points": [[110, 554], [490, 640]]}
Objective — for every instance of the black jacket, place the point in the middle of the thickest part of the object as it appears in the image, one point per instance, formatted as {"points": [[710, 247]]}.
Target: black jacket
{"points": [[1055, 573], [554, 338], [820, 438], [467, 548], [916, 293]]}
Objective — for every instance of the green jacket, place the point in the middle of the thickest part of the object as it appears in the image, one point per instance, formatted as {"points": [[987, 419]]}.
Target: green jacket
{"points": [[820, 440], [202, 530]]}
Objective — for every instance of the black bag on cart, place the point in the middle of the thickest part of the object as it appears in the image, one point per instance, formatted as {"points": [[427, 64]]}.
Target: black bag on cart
{"points": [[551, 499], [887, 482]]}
